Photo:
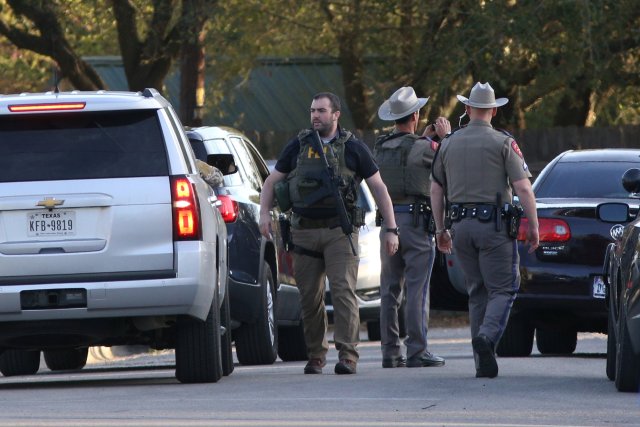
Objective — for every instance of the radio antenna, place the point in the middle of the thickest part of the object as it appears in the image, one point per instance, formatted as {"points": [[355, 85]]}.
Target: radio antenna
{"points": [[56, 89]]}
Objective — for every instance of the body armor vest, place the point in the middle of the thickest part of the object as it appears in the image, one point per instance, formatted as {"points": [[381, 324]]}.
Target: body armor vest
{"points": [[400, 158], [309, 184]]}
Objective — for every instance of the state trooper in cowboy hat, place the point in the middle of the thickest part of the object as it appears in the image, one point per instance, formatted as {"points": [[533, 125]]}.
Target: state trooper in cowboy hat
{"points": [[477, 169], [482, 96], [404, 159], [402, 103]]}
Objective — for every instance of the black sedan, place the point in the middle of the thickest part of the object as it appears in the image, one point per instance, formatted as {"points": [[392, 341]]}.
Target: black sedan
{"points": [[622, 278], [562, 290], [265, 310]]}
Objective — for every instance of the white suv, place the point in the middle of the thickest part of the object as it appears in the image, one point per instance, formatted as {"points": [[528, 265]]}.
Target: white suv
{"points": [[108, 235]]}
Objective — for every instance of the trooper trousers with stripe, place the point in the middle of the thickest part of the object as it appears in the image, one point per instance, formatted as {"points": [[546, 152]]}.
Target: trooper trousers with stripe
{"points": [[489, 260], [409, 270]]}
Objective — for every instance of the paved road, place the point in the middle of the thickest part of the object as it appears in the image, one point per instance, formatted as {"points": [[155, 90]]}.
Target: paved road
{"points": [[140, 390]]}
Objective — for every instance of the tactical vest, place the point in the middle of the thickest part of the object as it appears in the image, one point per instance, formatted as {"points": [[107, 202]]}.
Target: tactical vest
{"points": [[400, 158], [309, 185]]}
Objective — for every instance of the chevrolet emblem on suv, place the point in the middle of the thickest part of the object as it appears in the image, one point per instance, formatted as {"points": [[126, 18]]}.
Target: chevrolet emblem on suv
{"points": [[50, 202]]}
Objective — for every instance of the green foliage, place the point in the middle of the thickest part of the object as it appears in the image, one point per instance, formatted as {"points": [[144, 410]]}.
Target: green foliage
{"points": [[560, 62], [23, 71]]}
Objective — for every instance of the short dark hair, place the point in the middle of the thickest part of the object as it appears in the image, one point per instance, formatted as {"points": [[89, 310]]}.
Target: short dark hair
{"points": [[404, 119], [334, 100]]}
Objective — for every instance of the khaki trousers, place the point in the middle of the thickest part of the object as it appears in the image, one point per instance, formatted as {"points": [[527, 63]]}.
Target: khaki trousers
{"points": [[340, 267]]}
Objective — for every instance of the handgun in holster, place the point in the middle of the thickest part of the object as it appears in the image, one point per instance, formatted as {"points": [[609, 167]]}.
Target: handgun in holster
{"points": [[513, 214], [378, 218], [447, 216], [285, 231], [428, 222]]}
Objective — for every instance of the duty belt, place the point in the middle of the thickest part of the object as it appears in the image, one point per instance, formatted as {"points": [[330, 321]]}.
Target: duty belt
{"points": [[482, 212], [420, 211], [421, 205]]}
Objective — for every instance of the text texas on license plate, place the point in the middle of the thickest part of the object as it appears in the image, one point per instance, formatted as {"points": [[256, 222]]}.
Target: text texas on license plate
{"points": [[598, 287], [54, 223]]}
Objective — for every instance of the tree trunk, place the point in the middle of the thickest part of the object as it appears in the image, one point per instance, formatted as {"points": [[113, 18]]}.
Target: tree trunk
{"points": [[192, 64]]}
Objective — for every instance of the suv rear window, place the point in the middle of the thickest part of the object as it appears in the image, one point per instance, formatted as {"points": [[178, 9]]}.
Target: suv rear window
{"points": [[91, 145], [584, 180]]}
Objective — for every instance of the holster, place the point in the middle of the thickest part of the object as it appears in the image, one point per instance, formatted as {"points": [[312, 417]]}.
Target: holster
{"points": [[357, 217], [512, 214], [285, 232], [428, 221], [281, 192]]}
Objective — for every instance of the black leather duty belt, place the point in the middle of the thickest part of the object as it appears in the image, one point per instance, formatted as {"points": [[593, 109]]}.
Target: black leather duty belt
{"points": [[422, 207], [483, 213]]}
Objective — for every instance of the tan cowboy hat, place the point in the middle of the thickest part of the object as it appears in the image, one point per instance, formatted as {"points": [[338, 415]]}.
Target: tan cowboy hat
{"points": [[482, 96], [402, 103]]}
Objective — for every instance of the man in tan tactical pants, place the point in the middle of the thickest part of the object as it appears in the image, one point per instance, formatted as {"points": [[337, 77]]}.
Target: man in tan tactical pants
{"points": [[320, 245]]}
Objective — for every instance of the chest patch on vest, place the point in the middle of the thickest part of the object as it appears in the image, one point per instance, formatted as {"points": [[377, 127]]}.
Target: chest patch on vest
{"points": [[313, 154], [514, 147]]}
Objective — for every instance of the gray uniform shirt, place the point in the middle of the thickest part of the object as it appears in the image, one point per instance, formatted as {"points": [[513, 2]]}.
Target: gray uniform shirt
{"points": [[476, 162]]}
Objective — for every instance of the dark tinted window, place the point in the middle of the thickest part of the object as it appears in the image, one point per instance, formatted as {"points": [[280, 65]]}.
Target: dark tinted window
{"points": [[81, 146], [584, 180], [258, 161], [219, 146], [247, 162]]}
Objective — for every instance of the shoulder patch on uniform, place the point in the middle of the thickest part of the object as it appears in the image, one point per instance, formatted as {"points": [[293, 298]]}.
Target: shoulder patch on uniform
{"points": [[434, 145], [514, 146]]}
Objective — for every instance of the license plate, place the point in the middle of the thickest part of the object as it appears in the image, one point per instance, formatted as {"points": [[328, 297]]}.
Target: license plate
{"points": [[598, 287], [51, 223]]}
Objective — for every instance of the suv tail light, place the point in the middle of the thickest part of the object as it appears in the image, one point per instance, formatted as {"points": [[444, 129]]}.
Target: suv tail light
{"points": [[186, 216], [550, 230], [228, 208]]}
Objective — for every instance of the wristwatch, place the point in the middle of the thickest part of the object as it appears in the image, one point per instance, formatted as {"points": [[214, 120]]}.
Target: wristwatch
{"points": [[393, 230]]}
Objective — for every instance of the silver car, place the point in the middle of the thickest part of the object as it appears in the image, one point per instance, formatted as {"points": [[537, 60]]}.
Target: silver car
{"points": [[108, 235]]}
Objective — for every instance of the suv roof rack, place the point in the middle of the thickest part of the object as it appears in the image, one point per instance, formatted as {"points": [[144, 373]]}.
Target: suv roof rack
{"points": [[150, 93]]}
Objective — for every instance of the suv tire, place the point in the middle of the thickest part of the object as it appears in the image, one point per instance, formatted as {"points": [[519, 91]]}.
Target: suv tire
{"points": [[66, 359], [291, 345], [611, 348], [627, 364], [562, 340], [226, 339], [373, 330], [19, 362], [257, 343], [517, 339], [198, 356]]}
